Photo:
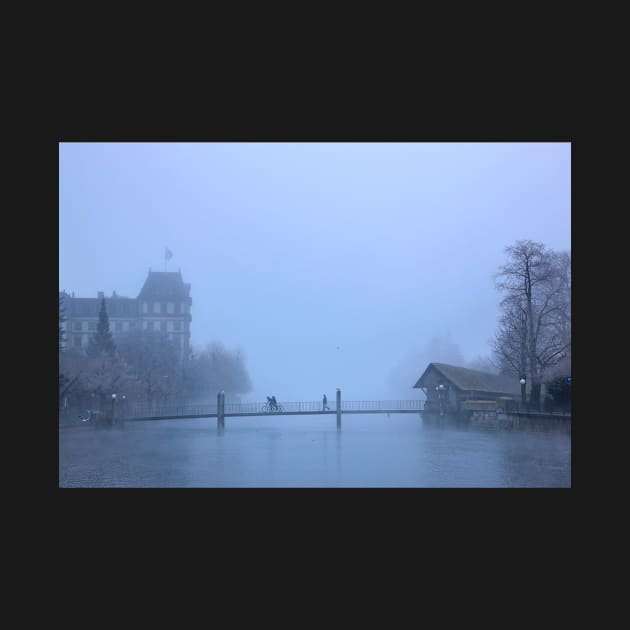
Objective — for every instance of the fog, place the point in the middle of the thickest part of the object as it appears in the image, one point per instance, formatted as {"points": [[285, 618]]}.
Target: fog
{"points": [[328, 265]]}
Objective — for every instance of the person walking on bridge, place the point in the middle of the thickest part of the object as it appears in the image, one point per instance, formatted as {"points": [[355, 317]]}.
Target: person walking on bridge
{"points": [[325, 403]]}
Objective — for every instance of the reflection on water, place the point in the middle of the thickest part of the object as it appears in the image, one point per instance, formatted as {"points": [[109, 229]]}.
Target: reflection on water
{"points": [[308, 451]]}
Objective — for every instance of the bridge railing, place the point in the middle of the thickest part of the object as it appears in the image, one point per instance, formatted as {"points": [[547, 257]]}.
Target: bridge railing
{"points": [[317, 405], [174, 411], [385, 405], [150, 411], [294, 407]]}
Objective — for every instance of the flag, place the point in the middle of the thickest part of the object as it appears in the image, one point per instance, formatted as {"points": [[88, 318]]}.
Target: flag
{"points": [[168, 254]]}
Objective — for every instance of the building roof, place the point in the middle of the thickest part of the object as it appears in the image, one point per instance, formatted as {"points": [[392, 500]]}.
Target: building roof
{"points": [[82, 306], [473, 380], [164, 285], [90, 307]]}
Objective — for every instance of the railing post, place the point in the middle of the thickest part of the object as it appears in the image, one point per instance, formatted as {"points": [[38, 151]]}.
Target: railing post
{"points": [[338, 409], [220, 411]]}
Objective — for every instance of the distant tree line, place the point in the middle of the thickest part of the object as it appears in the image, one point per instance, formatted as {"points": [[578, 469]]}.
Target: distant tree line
{"points": [[145, 367]]}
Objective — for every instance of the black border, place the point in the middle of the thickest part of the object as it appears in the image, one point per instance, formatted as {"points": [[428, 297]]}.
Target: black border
{"points": [[512, 516]]}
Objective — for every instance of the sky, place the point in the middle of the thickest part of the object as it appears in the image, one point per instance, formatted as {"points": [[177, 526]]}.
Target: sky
{"points": [[326, 264]]}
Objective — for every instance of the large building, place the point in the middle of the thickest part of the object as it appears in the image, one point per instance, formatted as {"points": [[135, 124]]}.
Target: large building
{"points": [[163, 305]]}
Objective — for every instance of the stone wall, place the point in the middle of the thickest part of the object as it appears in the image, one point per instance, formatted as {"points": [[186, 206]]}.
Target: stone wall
{"points": [[520, 421]]}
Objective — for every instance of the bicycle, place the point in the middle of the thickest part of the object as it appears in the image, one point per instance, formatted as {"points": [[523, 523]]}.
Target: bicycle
{"points": [[268, 408]]}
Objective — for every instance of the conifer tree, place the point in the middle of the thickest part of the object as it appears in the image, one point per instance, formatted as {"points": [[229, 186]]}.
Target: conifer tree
{"points": [[102, 342]]}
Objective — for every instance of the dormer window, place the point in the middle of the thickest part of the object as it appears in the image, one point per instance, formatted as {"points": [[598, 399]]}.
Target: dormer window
{"points": [[156, 307]]}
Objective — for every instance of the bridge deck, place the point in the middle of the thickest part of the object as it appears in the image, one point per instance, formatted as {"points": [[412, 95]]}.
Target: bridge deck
{"points": [[274, 413]]}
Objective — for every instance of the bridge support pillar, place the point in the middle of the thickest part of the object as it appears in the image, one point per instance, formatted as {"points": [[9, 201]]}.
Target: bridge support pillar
{"points": [[338, 409], [220, 411]]}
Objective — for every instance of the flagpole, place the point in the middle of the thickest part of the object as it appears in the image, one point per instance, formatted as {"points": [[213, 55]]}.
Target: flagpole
{"points": [[167, 254]]}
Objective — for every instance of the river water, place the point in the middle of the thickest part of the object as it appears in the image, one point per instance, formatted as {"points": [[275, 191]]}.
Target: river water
{"points": [[307, 451]]}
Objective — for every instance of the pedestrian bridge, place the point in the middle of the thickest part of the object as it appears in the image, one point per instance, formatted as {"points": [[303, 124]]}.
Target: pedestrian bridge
{"points": [[222, 410]]}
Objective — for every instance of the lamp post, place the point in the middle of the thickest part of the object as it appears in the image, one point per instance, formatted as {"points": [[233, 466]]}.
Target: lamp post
{"points": [[522, 382], [124, 398], [165, 389], [440, 391], [113, 403]]}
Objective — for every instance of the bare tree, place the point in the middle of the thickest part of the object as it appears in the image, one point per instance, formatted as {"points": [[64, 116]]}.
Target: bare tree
{"points": [[153, 361], [561, 321], [482, 364], [534, 329], [89, 382], [510, 341], [439, 348], [215, 369]]}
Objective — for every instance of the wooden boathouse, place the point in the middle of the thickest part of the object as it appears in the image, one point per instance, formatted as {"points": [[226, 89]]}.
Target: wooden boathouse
{"points": [[449, 387]]}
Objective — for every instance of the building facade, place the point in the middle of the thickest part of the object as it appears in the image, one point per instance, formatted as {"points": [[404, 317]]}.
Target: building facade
{"points": [[163, 305]]}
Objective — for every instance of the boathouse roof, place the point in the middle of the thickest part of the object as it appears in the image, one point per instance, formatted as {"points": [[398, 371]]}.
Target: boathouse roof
{"points": [[466, 379]]}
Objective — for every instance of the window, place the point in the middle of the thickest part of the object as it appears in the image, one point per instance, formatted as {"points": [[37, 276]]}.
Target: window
{"points": [[125, 326], [163, 326], [77, 341], [118, 326], [169, 326], [92, 326], [177, 325], [76, 326], [156, 307], [181, 307], [85, 326], [170, 307], [145, 307]]}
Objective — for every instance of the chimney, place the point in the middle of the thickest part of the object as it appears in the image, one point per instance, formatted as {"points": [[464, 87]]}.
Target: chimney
{"points": [[101, 295]]}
